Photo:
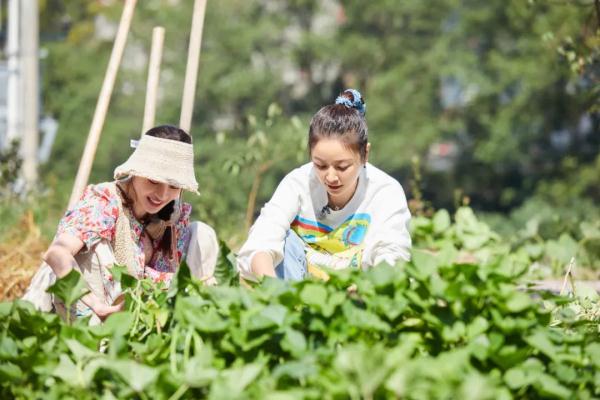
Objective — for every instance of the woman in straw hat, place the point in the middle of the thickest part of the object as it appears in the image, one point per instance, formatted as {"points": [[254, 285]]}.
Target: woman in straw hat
{"points": [[137, 221]]}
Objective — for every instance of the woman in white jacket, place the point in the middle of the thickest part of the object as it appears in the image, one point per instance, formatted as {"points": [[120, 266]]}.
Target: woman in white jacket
{"points": [[337, 211]]}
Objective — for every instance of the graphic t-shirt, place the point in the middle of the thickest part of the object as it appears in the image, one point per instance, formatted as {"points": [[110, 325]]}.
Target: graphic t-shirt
{"points": [[370, 229]]}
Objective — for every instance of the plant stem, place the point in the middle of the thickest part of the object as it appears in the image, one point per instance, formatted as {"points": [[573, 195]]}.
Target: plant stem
{"points": [[179, 392]]}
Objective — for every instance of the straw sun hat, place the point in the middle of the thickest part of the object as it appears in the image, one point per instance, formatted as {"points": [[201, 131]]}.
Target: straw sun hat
{"points": [[163, 160]]}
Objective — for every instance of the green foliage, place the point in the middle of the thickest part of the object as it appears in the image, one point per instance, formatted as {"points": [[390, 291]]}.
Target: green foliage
{"points": [[226, 271], [434, 327], [69, 288], [10, 167], [496, 79], [552, 233]]}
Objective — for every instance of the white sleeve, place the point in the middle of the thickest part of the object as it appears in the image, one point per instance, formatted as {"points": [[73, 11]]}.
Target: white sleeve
{"points": [[389, 239], [270, 228]]}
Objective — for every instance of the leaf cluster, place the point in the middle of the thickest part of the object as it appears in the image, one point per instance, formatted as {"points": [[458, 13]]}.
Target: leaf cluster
{"points": [[443, 325]]}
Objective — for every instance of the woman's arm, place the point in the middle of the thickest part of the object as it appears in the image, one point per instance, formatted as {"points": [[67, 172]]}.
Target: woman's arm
{"points": [[60, 257], [262, 264], [263, 249], [388, 239]]}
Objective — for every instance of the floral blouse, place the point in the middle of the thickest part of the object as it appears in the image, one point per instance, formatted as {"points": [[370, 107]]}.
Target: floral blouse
{"points": [[94, 217]]}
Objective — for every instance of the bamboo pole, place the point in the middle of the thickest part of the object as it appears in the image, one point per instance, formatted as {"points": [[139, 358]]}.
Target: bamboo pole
{"points": [[191, 71], [85, 166], [158, 38]]}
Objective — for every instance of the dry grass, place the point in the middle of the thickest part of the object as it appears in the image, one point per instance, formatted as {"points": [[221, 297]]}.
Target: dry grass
{"points": [[20, 256]]}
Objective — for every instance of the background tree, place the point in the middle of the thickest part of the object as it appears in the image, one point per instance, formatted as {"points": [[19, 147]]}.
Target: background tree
{"points": [[498, 99]]}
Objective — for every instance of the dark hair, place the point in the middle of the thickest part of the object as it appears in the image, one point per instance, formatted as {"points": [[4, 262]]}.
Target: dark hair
{"points": [[343, 120], [169, 132]]}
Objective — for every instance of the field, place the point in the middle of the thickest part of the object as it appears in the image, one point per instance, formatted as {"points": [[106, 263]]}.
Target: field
{"points": [[487, 113], [458, 321]]}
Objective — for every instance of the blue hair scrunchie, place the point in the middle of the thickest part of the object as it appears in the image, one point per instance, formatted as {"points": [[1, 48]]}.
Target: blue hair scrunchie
{"points": [[357, 104]]}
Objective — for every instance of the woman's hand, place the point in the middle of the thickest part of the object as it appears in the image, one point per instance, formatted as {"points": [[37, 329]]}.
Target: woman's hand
{"points": [[262, 264], [60, 257], [101, 309]]}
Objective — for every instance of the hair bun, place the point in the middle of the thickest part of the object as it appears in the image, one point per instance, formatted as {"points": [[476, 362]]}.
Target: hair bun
{"points": [[352, 98]]}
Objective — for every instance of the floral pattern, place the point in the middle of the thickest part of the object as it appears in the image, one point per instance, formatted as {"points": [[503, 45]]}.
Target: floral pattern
{"points": [[94, 217]]}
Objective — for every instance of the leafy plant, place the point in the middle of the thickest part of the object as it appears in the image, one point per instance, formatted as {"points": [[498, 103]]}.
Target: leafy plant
{"points": [[443, 325]]}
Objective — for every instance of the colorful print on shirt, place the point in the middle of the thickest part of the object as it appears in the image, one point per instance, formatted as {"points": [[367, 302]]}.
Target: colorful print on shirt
{"points": [[94, 217], [344, 241]]}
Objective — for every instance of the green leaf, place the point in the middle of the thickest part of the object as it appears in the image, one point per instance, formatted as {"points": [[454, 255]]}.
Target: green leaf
{"points": [[425, 263], [589, 230], [181, 280], [198, 371], [117, 272], [117, 324], [137, 376], [420, 225], [299, 370], [10, 372], [478, 326], [69, 288], [516, 378], [592, 350], [565, 373], [232, 382], [68, 372], [6, 308], [453, 333], [294, 342], [79, 350], [518, 301], [542, 342], [226, 272], [335, 299], [441, 221], [563, 249], [364, 319], [8, 348], [314, 295], [383, 276], [267, 317], [275, 313], [207, 320], [549, 386]]}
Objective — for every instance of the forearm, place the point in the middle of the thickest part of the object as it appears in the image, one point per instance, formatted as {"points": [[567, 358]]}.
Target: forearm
{"points": [[60, 260], [262, 264]]}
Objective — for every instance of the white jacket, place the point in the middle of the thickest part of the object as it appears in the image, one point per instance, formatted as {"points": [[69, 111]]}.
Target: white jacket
{"points": [[370, 229]]}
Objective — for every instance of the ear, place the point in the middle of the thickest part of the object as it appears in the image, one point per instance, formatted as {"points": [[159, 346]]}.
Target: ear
{"points": [[368, 149]]}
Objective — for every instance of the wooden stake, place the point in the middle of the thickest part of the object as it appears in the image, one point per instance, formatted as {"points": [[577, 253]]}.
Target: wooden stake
{"points": [[158, 38], [83, 173], [568, 278], [191, 71]]}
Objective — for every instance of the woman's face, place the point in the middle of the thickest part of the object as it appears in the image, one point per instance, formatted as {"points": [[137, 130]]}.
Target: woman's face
{"points": [[151, 196], [338, 168]]}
